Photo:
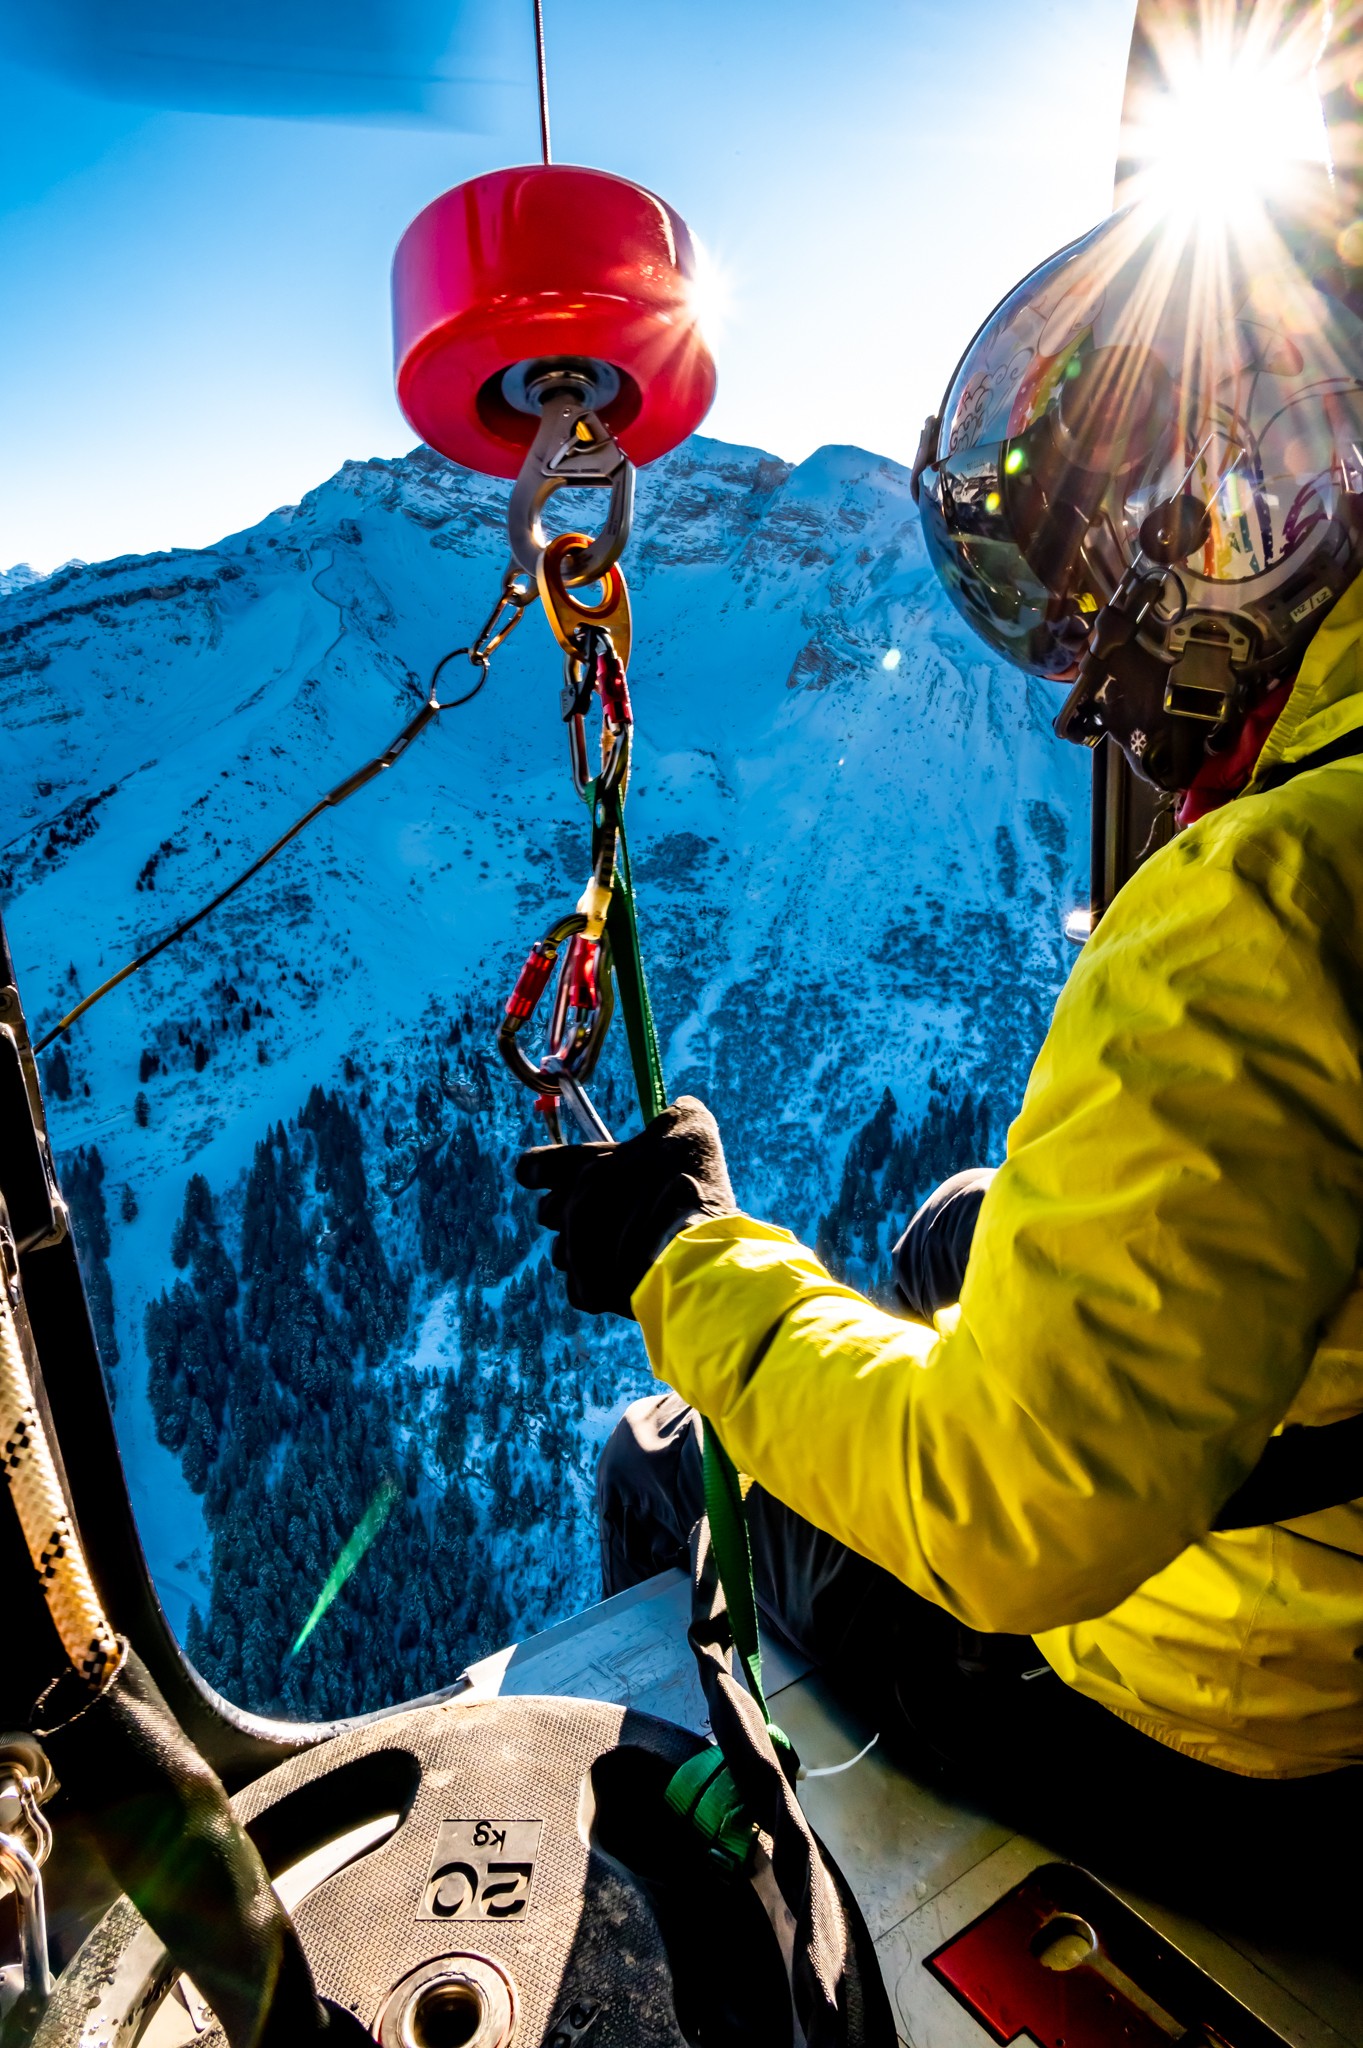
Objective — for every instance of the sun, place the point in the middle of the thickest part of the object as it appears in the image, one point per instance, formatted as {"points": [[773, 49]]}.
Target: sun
{"points": [[711, 292], [1234, 121]]}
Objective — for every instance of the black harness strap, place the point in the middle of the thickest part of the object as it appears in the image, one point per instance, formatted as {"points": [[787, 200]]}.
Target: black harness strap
{"points": [[1345, 748], [1301, 1472], [1309, 1467]]}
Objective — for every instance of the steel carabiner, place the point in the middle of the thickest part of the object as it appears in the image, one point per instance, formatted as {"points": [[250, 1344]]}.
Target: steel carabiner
{"points": [[573, 448]]}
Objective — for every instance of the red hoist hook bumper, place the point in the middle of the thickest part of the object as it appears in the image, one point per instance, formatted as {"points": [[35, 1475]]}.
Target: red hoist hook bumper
{"points": [[520, 272]]}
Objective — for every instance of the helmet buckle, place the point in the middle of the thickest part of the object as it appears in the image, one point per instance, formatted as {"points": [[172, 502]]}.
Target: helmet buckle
{"points": [[1203, 681]]}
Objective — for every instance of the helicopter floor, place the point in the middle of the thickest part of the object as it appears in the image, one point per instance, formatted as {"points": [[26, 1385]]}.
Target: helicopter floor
{"points": [[923, 1867]]}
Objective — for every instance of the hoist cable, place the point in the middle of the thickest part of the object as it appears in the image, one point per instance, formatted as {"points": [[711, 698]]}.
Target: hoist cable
{"points": [[542, 75]]}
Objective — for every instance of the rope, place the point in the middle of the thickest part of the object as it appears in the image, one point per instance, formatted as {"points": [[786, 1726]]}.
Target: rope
{"points": [[91, 1646]]}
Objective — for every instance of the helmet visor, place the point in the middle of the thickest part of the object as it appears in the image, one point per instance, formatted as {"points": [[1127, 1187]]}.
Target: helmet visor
{"points": [[1138, 368]]}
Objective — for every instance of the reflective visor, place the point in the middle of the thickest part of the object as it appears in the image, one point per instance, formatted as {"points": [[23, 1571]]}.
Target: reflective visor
{"points": [[1143, 364]]}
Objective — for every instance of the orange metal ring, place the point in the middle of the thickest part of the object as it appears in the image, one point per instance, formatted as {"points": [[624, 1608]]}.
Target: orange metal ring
{"points": [[567, 612]]}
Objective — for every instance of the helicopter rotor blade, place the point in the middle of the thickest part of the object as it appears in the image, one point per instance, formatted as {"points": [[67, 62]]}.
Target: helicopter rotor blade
{"points": [[436, 63]]}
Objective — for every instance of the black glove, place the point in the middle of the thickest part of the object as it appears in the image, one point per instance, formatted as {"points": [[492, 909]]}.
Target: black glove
{"points": [[614, 1207]]}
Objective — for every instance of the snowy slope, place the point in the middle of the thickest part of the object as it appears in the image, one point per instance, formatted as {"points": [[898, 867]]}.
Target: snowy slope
{"points": [[855, 840]]}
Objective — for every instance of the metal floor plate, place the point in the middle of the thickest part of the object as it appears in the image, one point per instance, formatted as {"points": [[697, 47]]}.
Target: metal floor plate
{"points": [[922, 1866]]}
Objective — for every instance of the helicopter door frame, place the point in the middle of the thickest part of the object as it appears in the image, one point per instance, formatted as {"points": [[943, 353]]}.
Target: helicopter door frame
{"points": [[239, 1745]]}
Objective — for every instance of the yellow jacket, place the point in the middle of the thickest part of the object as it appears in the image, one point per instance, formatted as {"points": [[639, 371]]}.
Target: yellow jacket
{"points": [[1164, 1272]]}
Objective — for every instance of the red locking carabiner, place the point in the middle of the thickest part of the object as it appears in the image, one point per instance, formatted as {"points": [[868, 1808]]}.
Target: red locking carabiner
{"points": [[584, 1000]]}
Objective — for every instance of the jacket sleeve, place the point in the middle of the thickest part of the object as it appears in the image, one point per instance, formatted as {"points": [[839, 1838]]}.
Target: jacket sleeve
{"points": [[1178, 1214]]}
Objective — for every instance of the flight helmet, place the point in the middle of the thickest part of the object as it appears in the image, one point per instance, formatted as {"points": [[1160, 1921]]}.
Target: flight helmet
{"points": [[1146, 478]]}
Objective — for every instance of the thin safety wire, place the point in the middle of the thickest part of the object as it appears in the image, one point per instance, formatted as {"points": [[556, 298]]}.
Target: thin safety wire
{"points": [[542, 73], [397, 747]]}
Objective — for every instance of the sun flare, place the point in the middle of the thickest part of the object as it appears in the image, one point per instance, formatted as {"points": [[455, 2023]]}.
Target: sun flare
{"points": [[1234, 122], [712, 293]]}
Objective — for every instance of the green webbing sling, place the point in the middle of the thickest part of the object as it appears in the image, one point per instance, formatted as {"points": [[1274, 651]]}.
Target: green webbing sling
{"points": [[703, 1790], [623, 928], [733, 1555]]}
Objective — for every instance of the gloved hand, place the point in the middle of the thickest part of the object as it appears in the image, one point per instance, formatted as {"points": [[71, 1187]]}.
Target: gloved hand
{"points": [[614, 1207]]}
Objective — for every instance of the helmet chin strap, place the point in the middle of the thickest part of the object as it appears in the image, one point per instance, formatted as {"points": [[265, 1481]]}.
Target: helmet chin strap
{"points": [[1157, 681]]}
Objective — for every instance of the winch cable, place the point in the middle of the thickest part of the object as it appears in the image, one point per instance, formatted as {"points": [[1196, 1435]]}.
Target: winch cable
{"points": [[542, 83], [515, 595]]}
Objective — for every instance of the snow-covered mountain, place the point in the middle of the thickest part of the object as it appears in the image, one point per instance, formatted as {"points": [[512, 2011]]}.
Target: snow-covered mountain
{"points": [[288, 1143]]}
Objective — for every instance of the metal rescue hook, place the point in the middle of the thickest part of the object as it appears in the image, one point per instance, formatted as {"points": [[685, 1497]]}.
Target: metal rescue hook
{"points": [[582, 1109], [572, 448]]}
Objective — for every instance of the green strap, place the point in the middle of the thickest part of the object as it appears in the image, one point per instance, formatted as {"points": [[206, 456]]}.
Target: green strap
{"points": [[723, 1494], [623, 927], [733, 1561], [703, 1790]]}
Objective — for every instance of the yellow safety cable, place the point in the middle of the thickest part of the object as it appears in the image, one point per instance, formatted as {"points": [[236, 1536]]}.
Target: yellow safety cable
{"points": [[95, 1652]]}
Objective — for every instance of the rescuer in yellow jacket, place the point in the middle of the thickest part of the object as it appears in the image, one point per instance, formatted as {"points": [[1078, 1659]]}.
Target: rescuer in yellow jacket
{"points": [[1160, 510]]}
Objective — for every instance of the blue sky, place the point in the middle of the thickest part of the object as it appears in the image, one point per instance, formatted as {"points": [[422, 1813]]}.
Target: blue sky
{"points": [[194, 307]]}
